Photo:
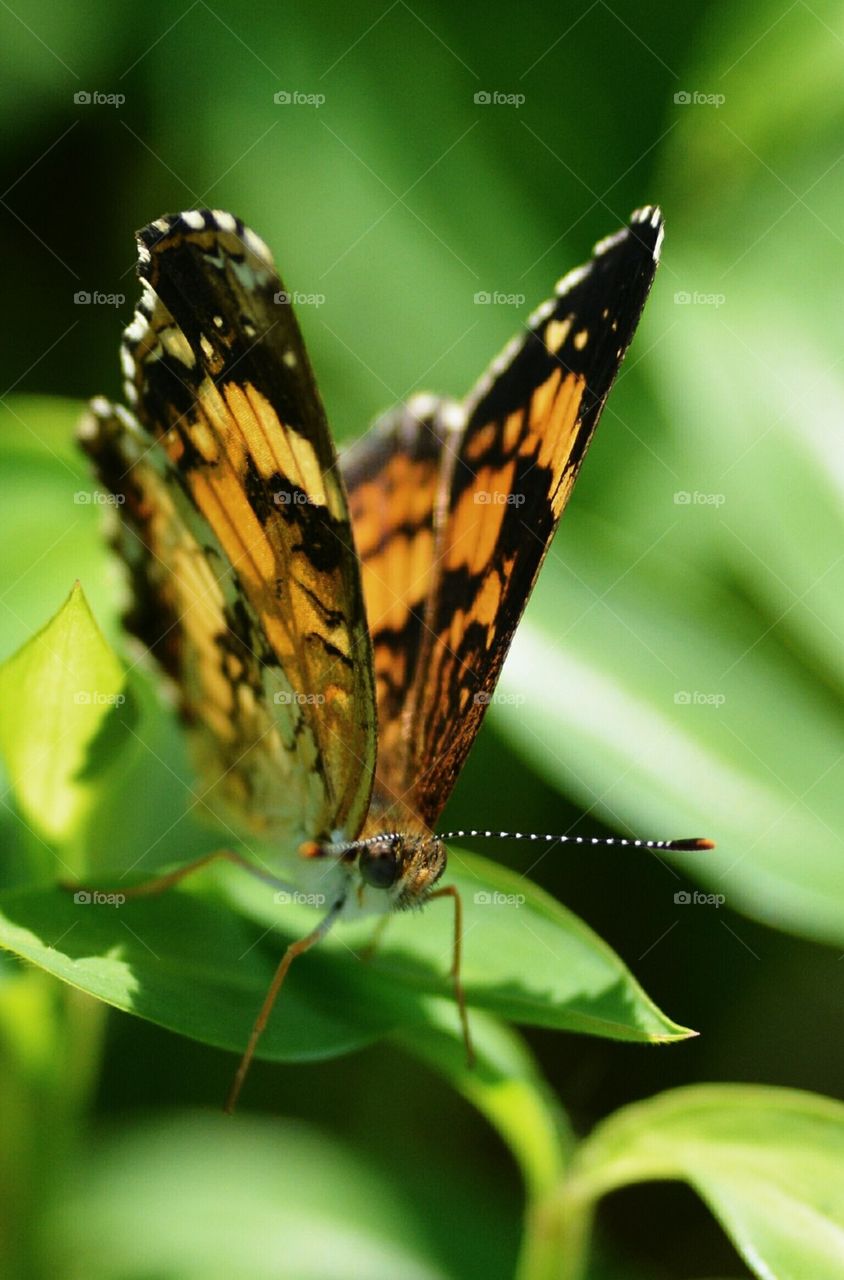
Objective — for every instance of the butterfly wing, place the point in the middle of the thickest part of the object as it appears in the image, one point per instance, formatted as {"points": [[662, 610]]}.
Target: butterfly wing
{"points": [[235, 527], [395, 478], [502, 490]]}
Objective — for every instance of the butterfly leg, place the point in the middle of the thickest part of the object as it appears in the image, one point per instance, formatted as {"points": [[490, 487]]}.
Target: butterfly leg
{"points": [[295, 949], [368, 951], [450, 891], [160, 884]]}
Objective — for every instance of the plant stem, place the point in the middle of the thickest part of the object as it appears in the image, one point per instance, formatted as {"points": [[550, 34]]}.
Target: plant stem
{"points": [[556, 1238]]}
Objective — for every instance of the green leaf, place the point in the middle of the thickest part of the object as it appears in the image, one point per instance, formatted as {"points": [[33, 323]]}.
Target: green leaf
{"points": [[54, 518], [60, 696], [241, 1199], [526, 958], [622, 695], [202, 968], [768, 1162]]}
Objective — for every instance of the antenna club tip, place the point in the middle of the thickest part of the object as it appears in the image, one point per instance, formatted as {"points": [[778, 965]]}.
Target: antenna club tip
{"points": [[693, 845]]}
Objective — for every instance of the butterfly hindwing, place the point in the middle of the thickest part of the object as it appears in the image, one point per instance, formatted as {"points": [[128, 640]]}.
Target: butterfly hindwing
{"points": [[504, 486], [397, 481], [247, 586]]}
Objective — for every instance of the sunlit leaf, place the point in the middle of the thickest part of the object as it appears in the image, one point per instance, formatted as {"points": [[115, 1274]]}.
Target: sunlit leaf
{"points": [[621, 692], [768, 1162], [61, 695], [202, 968]]}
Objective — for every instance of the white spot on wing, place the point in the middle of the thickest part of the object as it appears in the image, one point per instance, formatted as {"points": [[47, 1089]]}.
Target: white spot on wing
{"points": [[194, 219], [572, 278], [541, 313], [452, 415], [256, 244], [422, 405], [129, 421], [659, 239], [610, 242], [137, 328], [225, 221]]}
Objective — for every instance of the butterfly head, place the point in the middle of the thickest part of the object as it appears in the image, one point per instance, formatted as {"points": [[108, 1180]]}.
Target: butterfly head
{"points": [[403, 866]]}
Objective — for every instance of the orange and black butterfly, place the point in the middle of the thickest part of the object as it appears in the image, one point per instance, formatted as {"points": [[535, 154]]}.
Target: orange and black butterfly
{"points": [[334, 628]]}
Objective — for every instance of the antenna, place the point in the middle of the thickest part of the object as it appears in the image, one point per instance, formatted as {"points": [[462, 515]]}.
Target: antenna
{"points": [[692, 845]]}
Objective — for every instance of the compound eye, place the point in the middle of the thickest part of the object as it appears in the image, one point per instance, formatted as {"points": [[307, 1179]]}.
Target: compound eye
{"points": [[379, 866]]}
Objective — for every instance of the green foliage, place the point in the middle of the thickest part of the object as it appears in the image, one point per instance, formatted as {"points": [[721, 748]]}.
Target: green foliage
{"points": [[677, 737], [527, 959], [61, 697], [397, 200], [197, 964], [295, 1195], [766, 1161]]}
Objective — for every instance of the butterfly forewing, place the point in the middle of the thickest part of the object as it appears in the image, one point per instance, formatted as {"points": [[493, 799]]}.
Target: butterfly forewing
{"points": [[527, 427], [246, 582]]}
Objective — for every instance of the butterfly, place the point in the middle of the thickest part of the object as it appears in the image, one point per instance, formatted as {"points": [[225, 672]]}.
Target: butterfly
{"points": [[333, 627]]}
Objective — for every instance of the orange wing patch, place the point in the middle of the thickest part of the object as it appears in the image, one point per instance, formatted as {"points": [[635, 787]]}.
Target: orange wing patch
{"points": [[397, 488]]}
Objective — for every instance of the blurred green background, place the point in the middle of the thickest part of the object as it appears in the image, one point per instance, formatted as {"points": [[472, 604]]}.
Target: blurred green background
{"points": [[679, 670]]}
